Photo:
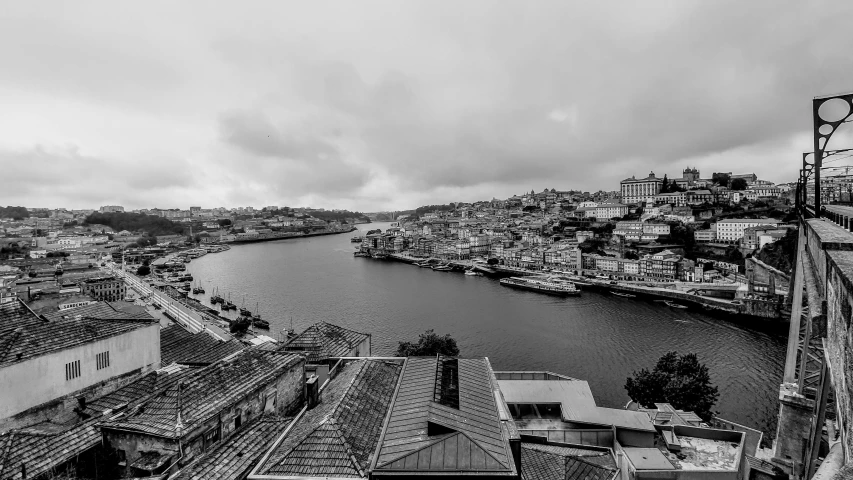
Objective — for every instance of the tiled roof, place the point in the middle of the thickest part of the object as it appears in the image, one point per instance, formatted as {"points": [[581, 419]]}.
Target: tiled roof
{"points": [[23, 335], [235, 457], [338, 437], [102, 310], [462, 433], [324, 340], [179, 345], [206, 393], [47, 445], [551, 462]]}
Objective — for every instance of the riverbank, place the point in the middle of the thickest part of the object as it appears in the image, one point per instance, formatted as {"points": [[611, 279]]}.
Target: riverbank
{"points": [[287, 237], [749, 308]]}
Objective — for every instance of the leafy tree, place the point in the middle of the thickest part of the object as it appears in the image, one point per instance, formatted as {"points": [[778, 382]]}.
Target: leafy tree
{"points": [[631, 255], [224, 222], [721, 179], [493, 261], [429, 344], [15, 213], [32, 273], [150, 224], [676, 379], [739, 184], [143, 270]]}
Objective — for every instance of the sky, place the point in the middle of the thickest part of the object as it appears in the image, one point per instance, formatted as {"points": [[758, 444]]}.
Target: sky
{"points": [[389, 105]]}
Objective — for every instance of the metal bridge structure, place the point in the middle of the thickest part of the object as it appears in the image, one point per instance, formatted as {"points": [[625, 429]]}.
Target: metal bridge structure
{"points": [[814, 434]]}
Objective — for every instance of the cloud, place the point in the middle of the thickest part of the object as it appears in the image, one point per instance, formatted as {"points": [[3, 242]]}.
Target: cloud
{"points": [[385, 104]]}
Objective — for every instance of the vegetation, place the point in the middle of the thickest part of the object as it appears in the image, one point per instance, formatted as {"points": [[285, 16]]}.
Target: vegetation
{"points": [[739, 184], [143, 270], [146, 241], [429, 344], [150, 224], [670, 187], [721, 179], [676, 379], [339, 215], [420, 211], [15, 213], [224, 222], [781, 254]]}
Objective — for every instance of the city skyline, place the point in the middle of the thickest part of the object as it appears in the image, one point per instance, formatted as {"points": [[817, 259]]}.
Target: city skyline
{"points": [[387, 106]]}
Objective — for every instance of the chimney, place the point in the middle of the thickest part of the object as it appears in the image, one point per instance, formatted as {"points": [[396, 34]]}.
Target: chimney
{"points": [[313, 391]]}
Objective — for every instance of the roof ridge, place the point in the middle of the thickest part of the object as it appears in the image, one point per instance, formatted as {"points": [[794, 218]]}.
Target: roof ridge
{"points": [[334, 411], [4, 457], [440, 438], [346, 445]]}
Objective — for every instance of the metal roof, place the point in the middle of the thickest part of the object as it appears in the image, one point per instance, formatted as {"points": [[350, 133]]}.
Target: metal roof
{"points": [[576, 400], [422, 435]]}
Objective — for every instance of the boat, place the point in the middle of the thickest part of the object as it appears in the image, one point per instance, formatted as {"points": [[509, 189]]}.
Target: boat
{"points": [[243, 310], [674, 305], [425, 264], [227, 305], [442, 268], [626, 295], [547, 285], [379, 256], [215, 298], [472, 273], [355, 239], [360, 254], [257, 321]]}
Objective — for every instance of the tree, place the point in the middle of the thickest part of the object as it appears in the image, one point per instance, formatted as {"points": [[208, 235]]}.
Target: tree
{"points": [[676, 379], [224, 222], [493, 261], [721, 179], [664, 187], [738, 184], [143, 270], [631, 255], [429, 344]]}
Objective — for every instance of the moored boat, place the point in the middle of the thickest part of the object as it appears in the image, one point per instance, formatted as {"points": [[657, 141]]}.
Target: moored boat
{"points": [[543, 285], [674, 305], [626, 295]]}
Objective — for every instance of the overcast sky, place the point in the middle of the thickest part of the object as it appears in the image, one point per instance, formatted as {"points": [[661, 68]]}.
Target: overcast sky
{"points": [[391, 105]]}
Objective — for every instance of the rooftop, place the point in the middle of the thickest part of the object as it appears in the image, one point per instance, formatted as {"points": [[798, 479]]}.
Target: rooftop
{"points": [[234, 457], [338, 437], [211, 389], [446, 418], [180, 346], [576, 402], [46, 445], [24, 335], [560, 462], [325, 340]]}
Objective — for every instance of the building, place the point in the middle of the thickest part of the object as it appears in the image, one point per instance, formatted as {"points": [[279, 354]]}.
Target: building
{"points": [[208, 406], [324, 343], [705, 236], [398, 418], [606, 211], [731, 230], [111, 209], [638, 190], [109, 288], [662, 265], [68, 354]]}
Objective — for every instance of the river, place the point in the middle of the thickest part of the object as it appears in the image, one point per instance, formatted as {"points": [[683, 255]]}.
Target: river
{"points": [[597, 337]]}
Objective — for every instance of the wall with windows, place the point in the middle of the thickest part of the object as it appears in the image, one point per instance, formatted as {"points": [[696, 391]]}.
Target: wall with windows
{"points": [[64, 372]]}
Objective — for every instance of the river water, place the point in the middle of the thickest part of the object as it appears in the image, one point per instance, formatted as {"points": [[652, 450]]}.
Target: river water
{"points": [[597, 337]]}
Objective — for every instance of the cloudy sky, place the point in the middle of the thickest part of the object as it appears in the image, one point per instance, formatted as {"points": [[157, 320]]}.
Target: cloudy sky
{"points": [[390, 105]]}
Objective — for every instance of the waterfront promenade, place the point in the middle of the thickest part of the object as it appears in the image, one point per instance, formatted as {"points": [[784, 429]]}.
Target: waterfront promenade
{"points": [[182, 314]]}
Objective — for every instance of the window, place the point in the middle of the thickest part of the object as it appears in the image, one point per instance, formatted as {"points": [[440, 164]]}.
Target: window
{"points": [[72, 370], [102, 360]]}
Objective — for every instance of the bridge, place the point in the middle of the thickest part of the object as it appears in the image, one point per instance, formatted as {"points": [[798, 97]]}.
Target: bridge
{"points": [[815, 428]]}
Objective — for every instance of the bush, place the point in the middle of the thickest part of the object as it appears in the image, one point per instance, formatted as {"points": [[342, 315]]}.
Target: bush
{"points": [[429, 344]]}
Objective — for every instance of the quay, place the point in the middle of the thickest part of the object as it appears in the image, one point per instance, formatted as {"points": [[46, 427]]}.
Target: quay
{"points": [[284, 236], [681, 292]]}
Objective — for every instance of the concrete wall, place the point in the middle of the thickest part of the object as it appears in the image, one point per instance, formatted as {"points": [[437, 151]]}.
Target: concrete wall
{"points": [[44, 376], [839, 350]]}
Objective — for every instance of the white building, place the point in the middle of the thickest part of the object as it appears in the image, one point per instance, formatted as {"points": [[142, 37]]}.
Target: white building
{"points": [[606, 211], [731, 230], [82, 355], [638, 190]]}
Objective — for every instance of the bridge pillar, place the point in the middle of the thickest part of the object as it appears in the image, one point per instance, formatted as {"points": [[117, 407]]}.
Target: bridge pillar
{"points": [[793, 430]]}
